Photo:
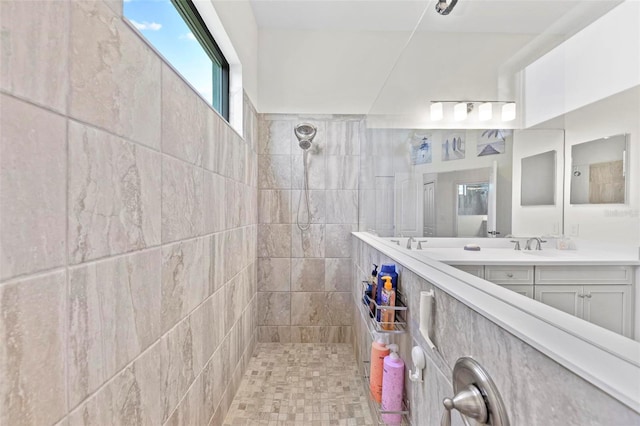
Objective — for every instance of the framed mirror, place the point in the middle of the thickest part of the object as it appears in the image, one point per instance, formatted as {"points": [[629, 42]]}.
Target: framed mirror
{"points": [[598, 171]]}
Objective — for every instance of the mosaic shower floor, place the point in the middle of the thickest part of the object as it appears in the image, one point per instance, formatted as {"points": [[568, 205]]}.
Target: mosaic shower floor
{"points": [[300, 384]]}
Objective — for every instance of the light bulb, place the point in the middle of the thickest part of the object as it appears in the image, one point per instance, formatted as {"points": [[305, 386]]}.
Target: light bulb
{"points": [[460, 111], [436, 111], [509, 111], [485, 111]]}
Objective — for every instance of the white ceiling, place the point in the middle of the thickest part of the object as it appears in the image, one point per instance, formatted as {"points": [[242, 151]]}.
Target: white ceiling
{"points": [[363, 56]]}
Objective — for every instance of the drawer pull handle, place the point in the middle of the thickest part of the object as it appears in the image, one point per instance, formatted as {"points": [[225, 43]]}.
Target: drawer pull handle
{"points": [[588, 295], [510, 275]]}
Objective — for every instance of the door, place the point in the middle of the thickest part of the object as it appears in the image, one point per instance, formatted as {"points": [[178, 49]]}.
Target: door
{"points": [[567, 298], [408, 205], [429, 196], [609, 306], [492, 228]]}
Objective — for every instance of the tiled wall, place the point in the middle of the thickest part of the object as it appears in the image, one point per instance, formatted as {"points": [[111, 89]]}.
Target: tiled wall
{"points": [[128, 227], [304, 276], [535, 389]]}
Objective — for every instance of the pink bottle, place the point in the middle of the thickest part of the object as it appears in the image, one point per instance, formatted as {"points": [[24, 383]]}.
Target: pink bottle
{"points": [[392, 386]]}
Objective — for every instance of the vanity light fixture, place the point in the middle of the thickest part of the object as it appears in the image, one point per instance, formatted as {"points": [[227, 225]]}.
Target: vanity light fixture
{"points": [[485, 111], [460, 110], [509, 111], [436, 111]]}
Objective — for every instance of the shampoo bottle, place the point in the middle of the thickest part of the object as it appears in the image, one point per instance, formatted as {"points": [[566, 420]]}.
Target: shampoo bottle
{"points": [[388, 270], [374, 285], [392, 386], [388, 299], [379, 351]]}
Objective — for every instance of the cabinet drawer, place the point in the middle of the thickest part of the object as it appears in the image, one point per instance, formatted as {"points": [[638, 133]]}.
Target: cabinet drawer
{"points": [[584, 275], [477, 270], [509, 274]]}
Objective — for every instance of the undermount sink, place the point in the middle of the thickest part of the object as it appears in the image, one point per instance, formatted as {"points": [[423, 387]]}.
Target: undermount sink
{"points": [[550, 253]]}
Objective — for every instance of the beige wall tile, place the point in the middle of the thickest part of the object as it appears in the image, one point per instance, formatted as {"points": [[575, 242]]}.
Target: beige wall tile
{"points": [[338, 274], [274, 240], [308, 243], [274, 206], [33, 181], [36, 35], [274, 308], [215, 188], [182, 200], [274, 274], [33, 387], [115, 77], [274, 171], [307, 274], [114, 195]]}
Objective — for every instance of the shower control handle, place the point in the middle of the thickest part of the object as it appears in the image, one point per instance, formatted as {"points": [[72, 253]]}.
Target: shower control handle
{"points": [[469, 402]]}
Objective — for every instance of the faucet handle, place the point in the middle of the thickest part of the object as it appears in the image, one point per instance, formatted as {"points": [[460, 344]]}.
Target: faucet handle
{"points": [[409, 241], [396, 241], [420, 244], [517, 246]]}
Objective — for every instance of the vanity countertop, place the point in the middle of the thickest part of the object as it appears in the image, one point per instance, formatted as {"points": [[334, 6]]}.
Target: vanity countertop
{"points": [[496, 252]]}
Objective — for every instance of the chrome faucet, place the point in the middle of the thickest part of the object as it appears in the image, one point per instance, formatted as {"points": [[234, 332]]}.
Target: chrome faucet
{"points": [[409, 241], [538, 241], [420, 244]]}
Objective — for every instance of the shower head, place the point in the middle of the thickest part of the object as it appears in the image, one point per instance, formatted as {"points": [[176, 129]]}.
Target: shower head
{"points": [[305, 133]]}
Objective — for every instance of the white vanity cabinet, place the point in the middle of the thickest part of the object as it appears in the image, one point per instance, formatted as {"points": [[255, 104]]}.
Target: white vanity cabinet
{"points": [[602, 295]]}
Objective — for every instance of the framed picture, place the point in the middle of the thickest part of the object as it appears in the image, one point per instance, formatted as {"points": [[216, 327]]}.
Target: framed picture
{"points": [[491, 142], [421, 149], [453, 146]]}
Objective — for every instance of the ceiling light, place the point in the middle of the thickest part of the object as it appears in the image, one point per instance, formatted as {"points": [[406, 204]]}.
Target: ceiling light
{"points": [[444, 7], [509, 111], [485, 111], [436, 111], [460, 111]]}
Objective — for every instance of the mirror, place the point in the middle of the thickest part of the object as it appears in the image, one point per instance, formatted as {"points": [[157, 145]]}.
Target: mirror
{"points": [[537, 187], [598, 171]]}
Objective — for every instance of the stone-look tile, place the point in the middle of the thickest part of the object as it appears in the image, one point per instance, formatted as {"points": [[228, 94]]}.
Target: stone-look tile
{"points": [[274, 171], [214, 145], [207, 331], [132, 397], [315, 171], [309, 243], [114, 195], [236, 299], [214, 261], [274, 206], [233, 205], [317, 206], [344, 137], [274, 308], [338, 240], [274, 334], [342, 172], [307, 274], [36, 36], [185, 119], [33, 182], [276, 137], [234, 246], [113, 314], [214, 202], [33, 386], [342, 206], [274, 274], [183, 282], [274, 240], [338, 275], [182, 200], [321, 309], [114, 76], [178, 366], [325, 334]]}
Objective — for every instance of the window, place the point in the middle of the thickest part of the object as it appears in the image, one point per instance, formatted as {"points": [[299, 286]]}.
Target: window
{"points": [[177, 31]]}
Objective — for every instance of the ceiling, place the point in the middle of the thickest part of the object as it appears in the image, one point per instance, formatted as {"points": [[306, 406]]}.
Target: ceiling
{"points": [[393, 56]]}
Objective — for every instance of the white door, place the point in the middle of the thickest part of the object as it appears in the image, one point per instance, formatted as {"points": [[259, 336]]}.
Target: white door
{"points": [[609, 306], [492, 208], [408, 205], [429, 196], [566, 298]]}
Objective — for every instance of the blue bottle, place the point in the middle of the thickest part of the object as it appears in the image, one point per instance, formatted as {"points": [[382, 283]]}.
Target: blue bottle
{"points": [[390, 271]]}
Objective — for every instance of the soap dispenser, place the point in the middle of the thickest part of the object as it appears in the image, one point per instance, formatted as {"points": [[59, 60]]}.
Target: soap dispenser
{"points": [[379, 350], [392, 386]]}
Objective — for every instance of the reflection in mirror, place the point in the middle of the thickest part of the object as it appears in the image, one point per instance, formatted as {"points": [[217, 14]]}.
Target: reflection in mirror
{"points": [[472, 209], [538, 182], [598, 171]]}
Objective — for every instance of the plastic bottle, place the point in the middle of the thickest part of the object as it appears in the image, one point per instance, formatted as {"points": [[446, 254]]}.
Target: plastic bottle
{"points": [[388, 299], [392, 386], [386, 270], [374, 285], [379, 351]]}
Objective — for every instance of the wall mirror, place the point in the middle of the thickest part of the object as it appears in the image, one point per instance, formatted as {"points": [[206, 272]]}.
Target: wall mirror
{"points": [[598, 171], [538, 181]]}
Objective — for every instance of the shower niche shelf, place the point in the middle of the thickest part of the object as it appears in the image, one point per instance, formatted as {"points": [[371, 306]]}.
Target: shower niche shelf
{"points": [[376, 408], [399, 326]]}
